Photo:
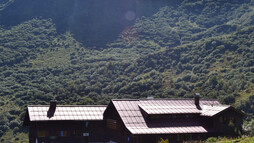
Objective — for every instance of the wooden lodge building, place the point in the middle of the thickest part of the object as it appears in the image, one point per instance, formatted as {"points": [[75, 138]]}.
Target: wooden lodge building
{"points": [[132, 121]]}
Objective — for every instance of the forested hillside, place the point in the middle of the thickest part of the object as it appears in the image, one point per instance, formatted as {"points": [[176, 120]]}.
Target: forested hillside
{"points": [[170, 50], [94, 22]]}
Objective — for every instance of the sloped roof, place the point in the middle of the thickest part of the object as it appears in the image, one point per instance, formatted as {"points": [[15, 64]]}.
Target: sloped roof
{"points": [[130, 113], [69, 113], [164, 107], [213, 110]]}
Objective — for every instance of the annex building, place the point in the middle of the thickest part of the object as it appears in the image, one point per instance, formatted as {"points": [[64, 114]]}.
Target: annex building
{"points": [[132, 121]]}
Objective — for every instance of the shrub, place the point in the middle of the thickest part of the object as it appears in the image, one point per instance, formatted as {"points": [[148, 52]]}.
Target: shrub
{"points": [[211, 140], [163, 141], [250, 127]]}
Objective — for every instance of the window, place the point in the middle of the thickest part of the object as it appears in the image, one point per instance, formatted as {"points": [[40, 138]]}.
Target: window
{"points": [[112, 124], [223, 120], [231, 122], [232, 119], [155, 116], [63, 133], [42, 133], [87, 124]]}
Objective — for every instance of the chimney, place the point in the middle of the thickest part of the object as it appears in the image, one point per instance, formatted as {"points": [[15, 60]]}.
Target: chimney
{"points": [[52, 109], [52, 105], [197, 96]]}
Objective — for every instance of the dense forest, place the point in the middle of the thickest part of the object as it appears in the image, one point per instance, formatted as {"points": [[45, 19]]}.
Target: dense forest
{"points": [[71, 52]]}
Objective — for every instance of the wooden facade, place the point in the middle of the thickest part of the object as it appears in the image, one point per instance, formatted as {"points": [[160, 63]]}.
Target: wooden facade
{"points": [[116, 130], [131, 121], [66, 132], [227, 123], [65, 124]]}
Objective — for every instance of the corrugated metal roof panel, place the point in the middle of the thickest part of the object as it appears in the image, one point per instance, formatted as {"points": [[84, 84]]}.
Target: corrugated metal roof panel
{"points": [[162, 109], [130, 113], [211, 110], [40, 113], [168, 130]]}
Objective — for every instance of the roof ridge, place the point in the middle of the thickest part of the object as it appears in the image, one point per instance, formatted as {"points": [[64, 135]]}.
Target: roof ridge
{"points": [[221, 105], [162, 99], [125, 99], [68, 105]]}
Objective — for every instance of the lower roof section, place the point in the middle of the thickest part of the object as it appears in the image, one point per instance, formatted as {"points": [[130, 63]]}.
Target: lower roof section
{"points": [[167, 130]]}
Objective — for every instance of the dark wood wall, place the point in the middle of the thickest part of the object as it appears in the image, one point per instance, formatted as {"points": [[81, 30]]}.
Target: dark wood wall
{"points": [[228, 123], [67, 131], [116, 130]]}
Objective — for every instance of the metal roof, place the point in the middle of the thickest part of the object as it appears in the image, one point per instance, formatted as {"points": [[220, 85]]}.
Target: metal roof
{"points": [[154, 109], [68, 113], [167, 130], [207, 107], [210, 111], [136, 123], [131, 113]]}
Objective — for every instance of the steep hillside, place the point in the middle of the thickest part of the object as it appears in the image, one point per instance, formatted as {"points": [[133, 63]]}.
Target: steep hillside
{"points": [[191, 21], [93, 22], [191, 46]]}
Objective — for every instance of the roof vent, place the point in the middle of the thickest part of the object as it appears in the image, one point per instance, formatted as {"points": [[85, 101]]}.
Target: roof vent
{"points": [[196, 98]]}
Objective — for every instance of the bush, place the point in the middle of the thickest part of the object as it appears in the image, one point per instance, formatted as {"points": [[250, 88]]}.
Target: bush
{"points": [[211, 140], [14, 124], [250, 127], [163, 141], [187, 77]]}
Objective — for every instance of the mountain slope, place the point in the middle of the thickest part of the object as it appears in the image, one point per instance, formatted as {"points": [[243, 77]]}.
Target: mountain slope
{"points": [[197, 46], [100, 21]]}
